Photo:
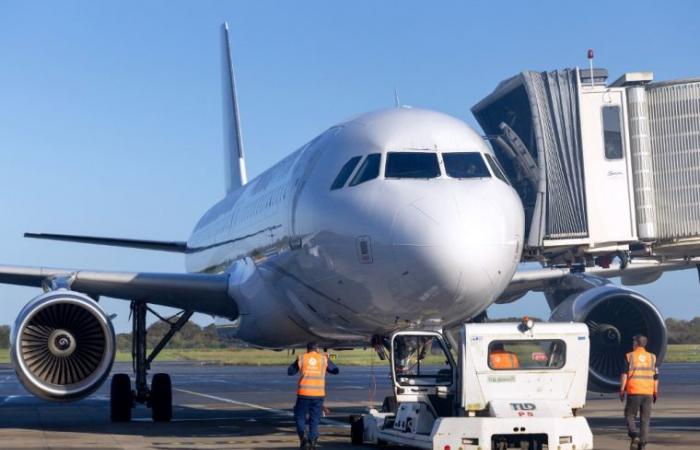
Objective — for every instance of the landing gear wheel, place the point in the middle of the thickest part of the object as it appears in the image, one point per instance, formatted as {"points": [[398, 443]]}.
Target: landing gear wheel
{"points": [[357, 430], [161, 398], [120, 398]]}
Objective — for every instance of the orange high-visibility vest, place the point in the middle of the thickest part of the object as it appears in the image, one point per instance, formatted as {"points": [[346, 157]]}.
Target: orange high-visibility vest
{"points": [[640, 375], [501, 359], [312, 374]]}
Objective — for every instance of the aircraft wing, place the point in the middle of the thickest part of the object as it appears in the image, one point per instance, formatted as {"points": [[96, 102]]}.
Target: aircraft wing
{"points": [[205, 293], [636, 272]]}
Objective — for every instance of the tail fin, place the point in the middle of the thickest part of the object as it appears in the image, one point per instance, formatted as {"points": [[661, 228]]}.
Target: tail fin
{"points": [[233, 142]]}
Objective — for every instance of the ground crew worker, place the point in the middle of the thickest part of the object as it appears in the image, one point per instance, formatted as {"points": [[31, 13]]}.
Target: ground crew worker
{"points": [[499, 358], [311, 367], [640, 381]]}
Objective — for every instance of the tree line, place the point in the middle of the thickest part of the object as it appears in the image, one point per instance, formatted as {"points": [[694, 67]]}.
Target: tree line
{"points": [[194, 336]]}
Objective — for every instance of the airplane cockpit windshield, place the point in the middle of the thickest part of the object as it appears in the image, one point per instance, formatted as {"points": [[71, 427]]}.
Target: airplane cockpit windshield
{"points": [[465, 165], [411, 165], [419, 165]]}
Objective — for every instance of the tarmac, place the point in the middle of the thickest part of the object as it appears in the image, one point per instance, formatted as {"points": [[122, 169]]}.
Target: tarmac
{"points": [[228, 407]]}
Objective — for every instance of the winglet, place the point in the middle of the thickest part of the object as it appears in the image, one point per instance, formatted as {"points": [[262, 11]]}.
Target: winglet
{"points": [[233, 141]]}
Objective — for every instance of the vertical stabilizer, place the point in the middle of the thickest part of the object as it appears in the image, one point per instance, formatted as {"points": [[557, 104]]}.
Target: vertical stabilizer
{"points": [[234, 160]]}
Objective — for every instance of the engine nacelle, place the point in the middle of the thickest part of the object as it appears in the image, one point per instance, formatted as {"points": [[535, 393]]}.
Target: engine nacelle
{"points": [[63, 346], [613, 315]]}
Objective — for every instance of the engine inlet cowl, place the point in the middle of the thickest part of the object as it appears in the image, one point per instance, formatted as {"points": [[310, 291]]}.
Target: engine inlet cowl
{"points": [[63, 346], [613, 315]]}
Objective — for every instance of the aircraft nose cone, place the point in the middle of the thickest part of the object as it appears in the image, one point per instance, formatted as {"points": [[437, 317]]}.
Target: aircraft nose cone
{"points": [[425, 266], [454, 252]]}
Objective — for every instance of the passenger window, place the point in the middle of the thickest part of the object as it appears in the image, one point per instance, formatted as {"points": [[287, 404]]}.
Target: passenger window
{"points": [[421, 361], [411, 165], [496, 168], [369, 169], [465, 165], [612, 132], [527, 355], [345, 173]]}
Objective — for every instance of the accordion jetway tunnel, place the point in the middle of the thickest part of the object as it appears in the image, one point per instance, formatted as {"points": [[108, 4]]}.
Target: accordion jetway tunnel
{"points": [[603, 170]]}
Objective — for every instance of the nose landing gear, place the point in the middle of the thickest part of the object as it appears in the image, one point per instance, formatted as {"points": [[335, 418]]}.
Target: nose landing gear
{"points": [[159, 396]]}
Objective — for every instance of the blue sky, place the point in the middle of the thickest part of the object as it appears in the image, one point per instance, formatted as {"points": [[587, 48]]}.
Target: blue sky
{"points": [[110, 113]]}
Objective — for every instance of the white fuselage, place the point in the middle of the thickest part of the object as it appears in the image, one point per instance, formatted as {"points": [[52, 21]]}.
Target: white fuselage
{"points": [[311, 263]]}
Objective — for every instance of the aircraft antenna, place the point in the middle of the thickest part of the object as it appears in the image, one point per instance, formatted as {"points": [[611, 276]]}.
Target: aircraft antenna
{"points": [[397, 102]]}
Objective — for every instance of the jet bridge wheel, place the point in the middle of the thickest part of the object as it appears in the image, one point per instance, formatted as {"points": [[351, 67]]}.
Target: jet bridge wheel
{"points": [[161, 398], [121, 398]]}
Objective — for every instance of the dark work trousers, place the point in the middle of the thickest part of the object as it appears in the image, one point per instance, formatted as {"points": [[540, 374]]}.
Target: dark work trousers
{"points": [[638, 404], [311, 408]]}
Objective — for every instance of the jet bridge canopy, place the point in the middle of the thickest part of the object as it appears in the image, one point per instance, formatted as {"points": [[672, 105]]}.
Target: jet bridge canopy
{"points": [[600, 168], [533, 121]]}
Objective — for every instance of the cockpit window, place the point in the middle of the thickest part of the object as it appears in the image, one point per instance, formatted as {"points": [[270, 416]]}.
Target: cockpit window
{"points": [[411, 165], [496, 169], [345, 173], [369, 169], [465, 165]]}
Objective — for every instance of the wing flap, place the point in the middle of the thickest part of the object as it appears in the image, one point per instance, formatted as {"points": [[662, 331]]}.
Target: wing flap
{"points": [[205, 293]]}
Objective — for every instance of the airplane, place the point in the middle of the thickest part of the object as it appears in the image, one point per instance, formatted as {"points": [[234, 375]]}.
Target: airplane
{"points": [[395, 219]]}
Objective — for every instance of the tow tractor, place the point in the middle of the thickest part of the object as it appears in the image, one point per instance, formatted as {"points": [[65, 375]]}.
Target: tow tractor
{"points": [[485, 386]]}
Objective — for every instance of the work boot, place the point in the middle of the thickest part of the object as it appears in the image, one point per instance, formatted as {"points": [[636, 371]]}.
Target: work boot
{"points": [[304, 443], [635, 444]]}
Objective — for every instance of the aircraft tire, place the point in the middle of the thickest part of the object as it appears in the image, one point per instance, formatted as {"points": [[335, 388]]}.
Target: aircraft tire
{"points": [[161, 398], [120, 398]]}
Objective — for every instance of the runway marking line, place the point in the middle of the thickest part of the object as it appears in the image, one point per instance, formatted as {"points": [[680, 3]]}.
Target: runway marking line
{"points": [[282, 412]]}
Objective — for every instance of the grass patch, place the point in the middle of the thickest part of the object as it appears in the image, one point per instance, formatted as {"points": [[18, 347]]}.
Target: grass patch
{"points": [[685, 353], [358, 357]]}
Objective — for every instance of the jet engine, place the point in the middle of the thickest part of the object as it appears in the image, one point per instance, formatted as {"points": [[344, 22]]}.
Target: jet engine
{"points": [[613, 315], [63, 346]]}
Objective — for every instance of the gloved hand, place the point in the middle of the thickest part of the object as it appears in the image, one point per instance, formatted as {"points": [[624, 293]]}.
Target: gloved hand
{"points": [[656, 396], [622, 396]]}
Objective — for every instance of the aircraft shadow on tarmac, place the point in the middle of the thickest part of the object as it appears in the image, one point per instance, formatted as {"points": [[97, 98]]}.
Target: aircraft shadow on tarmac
{"points": [[191, 427]]}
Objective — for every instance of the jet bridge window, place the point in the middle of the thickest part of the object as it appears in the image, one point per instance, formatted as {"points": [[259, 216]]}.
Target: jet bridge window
{"points": [[369, 169], [421, 361], [542, 354], [412, 165], [345, 173], [612, 132], [465, 165]]}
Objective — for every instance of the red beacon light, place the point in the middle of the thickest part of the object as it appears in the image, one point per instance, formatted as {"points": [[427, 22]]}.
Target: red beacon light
{"points": [[590, 53]]}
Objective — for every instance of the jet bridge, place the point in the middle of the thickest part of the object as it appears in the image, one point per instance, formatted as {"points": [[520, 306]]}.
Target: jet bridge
{"points": [[602, 169]]}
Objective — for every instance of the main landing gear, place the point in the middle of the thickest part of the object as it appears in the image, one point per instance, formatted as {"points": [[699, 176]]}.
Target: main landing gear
{"points": [[159, 396]]}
